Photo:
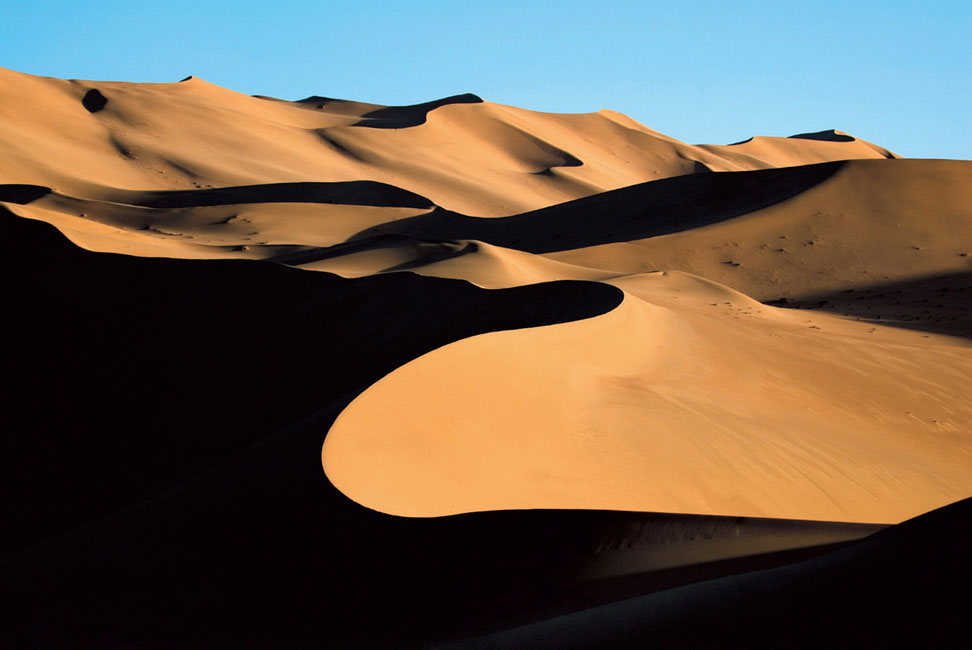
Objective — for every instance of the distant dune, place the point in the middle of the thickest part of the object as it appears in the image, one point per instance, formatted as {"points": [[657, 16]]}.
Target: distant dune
{"points": [[293, 374], [470, 156]]}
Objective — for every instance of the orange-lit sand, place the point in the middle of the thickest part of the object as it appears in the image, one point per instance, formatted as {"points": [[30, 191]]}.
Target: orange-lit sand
{"points": [[689, 397], [777, 329]]}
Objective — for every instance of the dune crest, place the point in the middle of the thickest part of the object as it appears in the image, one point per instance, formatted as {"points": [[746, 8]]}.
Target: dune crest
{"points": [[662, 405], [463, 153]]}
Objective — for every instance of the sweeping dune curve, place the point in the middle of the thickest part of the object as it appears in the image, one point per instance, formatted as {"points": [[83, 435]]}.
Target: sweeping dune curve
{"points": [[459, 367]]}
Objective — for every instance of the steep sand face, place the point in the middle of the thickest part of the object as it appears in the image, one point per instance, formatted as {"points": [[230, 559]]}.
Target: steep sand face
{"points": [[687, 398]]}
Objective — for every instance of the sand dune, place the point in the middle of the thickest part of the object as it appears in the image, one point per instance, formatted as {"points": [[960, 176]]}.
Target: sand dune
{"points": [[220, 500], [867, 223], [474, 157], [218, 350], [546, 362], [660, 405]]}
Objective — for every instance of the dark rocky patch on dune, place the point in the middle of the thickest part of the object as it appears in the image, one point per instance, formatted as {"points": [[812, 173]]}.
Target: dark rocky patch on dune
{"points": [[93, 101]]}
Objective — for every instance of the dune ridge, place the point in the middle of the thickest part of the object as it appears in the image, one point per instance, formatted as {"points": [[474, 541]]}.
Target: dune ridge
{"points": [[278, 370], [641, 409], [475, 157]]}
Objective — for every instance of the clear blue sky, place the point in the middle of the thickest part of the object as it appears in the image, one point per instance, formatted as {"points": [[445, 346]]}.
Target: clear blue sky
{"points": [[894, 72]]}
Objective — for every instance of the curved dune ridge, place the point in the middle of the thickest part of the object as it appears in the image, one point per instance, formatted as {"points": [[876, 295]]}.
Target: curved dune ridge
{"points": [[545, 361], [683, 399]]}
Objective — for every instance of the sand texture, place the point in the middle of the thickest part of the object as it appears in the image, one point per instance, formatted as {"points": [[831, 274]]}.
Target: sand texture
{"points": [[459, 372]]}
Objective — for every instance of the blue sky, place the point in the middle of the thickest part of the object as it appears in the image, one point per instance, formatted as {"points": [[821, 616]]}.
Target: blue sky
{"points": [[893, 72]]}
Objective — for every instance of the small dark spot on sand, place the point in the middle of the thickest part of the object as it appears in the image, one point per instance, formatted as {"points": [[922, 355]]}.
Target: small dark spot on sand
{"points": [[93, 101]]}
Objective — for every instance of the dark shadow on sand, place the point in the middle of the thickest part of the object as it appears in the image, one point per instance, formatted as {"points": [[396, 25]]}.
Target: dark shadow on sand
{"points": [[403, 117], [940, 304], [370, 193], [163, 427], [125, 376], [828, 135], [904, 587], [22, 194], [637, 212]]}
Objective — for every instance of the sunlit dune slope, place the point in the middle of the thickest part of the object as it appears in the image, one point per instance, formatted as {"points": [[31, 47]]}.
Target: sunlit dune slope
{"points": [[869, 222], [770, 234], [773, 233], [475, 157], [689, 397]]}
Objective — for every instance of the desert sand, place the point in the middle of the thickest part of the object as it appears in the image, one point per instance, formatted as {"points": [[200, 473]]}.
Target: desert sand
{"points": [[392, 376]]}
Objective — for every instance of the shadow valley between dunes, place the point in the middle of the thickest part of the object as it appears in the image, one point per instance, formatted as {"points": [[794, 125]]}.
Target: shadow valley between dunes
{"points": [[161, 368], [210, 523], [345, 193], [263, 552], [906, 586], [637, 212]]}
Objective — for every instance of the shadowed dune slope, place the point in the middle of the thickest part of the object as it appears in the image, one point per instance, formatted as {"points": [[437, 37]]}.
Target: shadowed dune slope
{"points": [[162, 368], [400, 117], [770, 234], [904, 587], [637, 212], [344, 193], [788, 233], [871, 222], [940, 303], [262, 551], [215, 510], [212, 521], [883, 241]]}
